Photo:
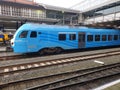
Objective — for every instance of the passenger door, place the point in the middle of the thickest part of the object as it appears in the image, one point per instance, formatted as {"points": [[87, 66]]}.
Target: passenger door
{"points": [[81, 40], [33, 41]]}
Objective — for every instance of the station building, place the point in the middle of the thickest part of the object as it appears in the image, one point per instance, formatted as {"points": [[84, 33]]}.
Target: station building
{"points": [[14, 13], [91, 13]]}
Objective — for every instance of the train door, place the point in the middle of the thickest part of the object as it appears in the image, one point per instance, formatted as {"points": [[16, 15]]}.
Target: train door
{"points": [[81, 40], [33, 41]]}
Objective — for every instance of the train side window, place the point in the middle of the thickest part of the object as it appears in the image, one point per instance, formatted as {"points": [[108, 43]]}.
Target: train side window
{"points": [[115, 37], [109, 37], [33, 34], [97, 37], [104, 38], [72, 36], [23, 34], [90, 38], [62, 37]]}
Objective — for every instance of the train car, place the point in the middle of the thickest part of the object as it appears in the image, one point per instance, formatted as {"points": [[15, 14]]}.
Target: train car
{"points": [[52, 39], [4, 36]]}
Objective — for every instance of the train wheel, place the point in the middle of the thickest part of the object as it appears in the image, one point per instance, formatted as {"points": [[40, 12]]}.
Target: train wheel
{"points": [[41, 52], [56, 50], [46, 51], [50, 50]]}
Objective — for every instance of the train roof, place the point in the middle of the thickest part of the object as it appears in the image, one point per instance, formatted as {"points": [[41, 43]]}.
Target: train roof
{"points": [[32, 26]]}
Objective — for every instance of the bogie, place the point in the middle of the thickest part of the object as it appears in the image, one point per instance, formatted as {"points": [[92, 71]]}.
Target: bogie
{"points": [[53, 50]]}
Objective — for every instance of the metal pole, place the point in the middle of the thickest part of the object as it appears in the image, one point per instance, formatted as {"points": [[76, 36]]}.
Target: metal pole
{"points": [[71, 20], [63, 18]]}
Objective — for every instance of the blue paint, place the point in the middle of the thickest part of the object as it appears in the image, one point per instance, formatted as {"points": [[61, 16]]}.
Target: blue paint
{"points": [[48, 37]]}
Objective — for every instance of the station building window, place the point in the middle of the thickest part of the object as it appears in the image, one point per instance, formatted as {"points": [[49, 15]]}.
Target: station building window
{"points": [[10, 10], [104, 38], [5, 10], [97, 37], [72, 36], [90, 38], [25, 12], [16, 11], [62, 37]]}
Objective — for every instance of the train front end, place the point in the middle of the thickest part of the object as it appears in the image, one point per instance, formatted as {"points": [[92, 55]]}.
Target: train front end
{"points": [[19, 41]]}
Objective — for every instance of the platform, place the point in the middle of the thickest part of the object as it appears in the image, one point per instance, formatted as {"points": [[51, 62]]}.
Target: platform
{"points": [[110, 86], [6, 49], [2, 49]]}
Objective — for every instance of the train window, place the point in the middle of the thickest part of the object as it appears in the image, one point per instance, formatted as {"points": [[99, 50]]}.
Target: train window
{"points": [[23, 34], [97, 37], [62, 37], [119, 37], [90, 38], [115, 37], [33, 34], [104, 38], [72, 37], [109, 37]]}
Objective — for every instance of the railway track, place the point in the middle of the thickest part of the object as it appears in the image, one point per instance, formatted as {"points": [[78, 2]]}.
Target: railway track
{"points": [[10, 69], [23, 56], [17, 56], [80, 79], [65, 80], [12, 57]]}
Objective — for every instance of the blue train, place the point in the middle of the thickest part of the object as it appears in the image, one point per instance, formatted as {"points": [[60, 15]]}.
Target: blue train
{"points": [[52, 39]]}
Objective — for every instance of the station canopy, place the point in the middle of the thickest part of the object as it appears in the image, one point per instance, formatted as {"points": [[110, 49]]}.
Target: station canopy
{"points": [[86, 5]]}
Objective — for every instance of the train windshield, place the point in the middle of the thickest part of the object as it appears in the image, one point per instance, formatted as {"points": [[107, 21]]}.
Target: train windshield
{"points": [[23, 34]]}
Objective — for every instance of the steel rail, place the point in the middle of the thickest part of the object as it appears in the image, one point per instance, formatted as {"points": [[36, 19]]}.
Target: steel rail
{"points": [[5, 70], [23, 56], [79, 79], [71, 74]]}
